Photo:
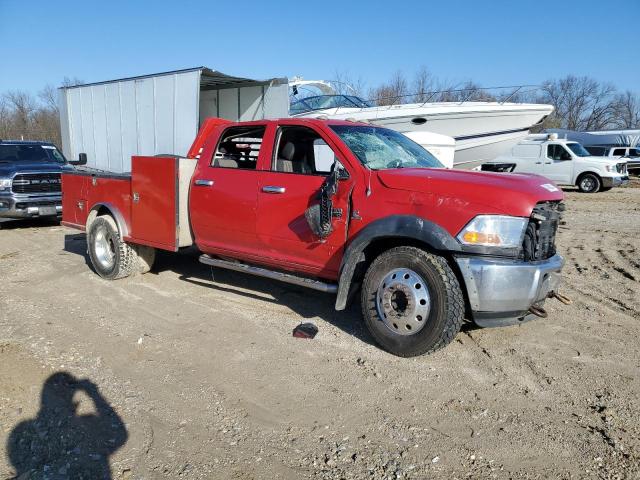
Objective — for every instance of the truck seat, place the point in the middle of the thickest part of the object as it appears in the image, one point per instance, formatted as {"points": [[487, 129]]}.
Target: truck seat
{"points": [[227, 163], [286, 162]]}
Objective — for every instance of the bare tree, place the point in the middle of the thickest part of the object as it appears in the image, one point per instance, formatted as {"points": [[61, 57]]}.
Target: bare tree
{"points": [[391, 93], [49, 96], [346, 84], [423, 85], [5, 121], [627, 107], [581, 103], [22, 106], [71, 82]]}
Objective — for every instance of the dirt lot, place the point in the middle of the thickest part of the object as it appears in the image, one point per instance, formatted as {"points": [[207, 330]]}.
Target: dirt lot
{"points": [[173, 374]]}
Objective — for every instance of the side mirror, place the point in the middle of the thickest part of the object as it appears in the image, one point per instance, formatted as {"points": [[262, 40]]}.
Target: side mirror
{"points": [[320, 215], [342, 173], [82, 160]]}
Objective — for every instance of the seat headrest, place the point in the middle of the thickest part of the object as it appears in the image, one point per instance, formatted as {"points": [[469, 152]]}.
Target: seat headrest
{"points": [[288, 151]]}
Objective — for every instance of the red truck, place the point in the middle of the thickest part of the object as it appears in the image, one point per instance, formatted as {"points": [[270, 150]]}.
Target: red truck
{"points": [[340, 207]]}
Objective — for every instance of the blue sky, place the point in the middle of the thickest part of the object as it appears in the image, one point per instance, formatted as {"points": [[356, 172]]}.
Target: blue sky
{"points": [[493, 43]]}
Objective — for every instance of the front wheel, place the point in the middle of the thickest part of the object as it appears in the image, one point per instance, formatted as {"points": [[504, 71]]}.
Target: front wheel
{"points": [[412, 302], [589, 183]]}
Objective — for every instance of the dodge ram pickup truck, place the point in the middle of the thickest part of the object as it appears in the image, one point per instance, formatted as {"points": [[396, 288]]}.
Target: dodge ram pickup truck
{"points": [[339, 207], [30, 179]]}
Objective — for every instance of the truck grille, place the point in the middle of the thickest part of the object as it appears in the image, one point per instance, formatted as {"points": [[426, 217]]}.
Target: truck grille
{"points": [[36, 183], [540, 236]]}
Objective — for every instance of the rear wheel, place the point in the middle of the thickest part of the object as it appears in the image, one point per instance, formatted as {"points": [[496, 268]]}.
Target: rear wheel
{"points": [[589, 183], [411, 301], [110, 256]]}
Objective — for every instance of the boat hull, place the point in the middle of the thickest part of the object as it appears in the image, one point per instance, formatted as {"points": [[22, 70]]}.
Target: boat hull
{"points": [[482, 130]]}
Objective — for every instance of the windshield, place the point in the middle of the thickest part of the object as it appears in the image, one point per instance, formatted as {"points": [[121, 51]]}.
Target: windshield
{"points": [[30, 153], [634, 152], [322, 102], [380, 148], [578, 149]]}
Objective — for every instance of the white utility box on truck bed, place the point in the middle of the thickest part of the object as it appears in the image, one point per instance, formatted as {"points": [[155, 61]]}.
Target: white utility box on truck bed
{"points": [[158, 114]]}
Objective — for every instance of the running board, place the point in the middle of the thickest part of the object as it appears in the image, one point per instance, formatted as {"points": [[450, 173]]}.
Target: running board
{"points": [[266, 273]]}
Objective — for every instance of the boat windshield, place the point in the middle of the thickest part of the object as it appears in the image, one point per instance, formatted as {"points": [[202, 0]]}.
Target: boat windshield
{"points": [[321, 102], [578, 149], [380, 148]]}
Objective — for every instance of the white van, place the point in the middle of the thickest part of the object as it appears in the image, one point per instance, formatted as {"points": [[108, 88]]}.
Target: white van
{"points": [[565, 162]]}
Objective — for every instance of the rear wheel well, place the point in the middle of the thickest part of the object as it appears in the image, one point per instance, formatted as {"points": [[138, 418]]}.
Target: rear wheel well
{"points": [[99, 212]]}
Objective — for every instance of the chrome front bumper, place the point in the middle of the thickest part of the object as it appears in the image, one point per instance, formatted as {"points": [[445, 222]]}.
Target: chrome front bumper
{"points": [[501, 291], [14, 206], [608, 182]]}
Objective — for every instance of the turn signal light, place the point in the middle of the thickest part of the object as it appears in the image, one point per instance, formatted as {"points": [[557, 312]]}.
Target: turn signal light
{"points": [[481, 238]]}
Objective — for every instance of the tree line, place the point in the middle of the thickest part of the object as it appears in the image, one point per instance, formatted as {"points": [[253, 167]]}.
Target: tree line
{"points": [[581, 103]]}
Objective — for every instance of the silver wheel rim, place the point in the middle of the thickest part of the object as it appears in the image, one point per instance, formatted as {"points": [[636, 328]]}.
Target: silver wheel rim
{"points": [[104, 249], [403, 301], [588, 184]]}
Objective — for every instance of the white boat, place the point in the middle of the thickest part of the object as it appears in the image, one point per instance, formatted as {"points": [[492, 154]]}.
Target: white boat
{"points": [[482, 130]]}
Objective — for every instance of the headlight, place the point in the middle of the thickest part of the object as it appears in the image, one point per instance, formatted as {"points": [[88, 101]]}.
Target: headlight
{"points": [[494, 231], [5, 184]]}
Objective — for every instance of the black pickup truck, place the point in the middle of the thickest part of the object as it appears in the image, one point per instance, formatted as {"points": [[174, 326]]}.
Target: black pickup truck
{"points": [[30, 184]]}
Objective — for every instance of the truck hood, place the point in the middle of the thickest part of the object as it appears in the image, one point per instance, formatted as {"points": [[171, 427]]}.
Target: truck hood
{"points": [[8, 169], [507, 193], [603, 159]]}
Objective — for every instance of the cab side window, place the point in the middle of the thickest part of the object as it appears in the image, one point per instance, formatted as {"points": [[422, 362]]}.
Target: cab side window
{"points": [[239, 147], [619, 152], [301, 150], [597, 151], [557, 152]]}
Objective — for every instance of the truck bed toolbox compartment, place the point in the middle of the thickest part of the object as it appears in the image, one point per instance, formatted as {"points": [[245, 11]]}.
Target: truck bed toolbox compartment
{"points": [[159, 201], [151, 202]]}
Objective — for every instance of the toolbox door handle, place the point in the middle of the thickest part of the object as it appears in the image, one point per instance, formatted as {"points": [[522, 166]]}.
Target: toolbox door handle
{"points": [[203, 183], [273, 189]]}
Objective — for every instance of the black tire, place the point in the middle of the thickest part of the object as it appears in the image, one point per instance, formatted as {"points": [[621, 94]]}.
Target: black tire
{"points": [[446, 312], [589, 183], [122, 259]]}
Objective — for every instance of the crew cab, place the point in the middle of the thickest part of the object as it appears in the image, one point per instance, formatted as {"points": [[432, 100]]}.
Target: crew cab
{"points": [[339, 207], [563, 161], [30, 179]]}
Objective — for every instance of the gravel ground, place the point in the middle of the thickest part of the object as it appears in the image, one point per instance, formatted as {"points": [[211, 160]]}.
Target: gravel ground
{"points": [[193, 373]]}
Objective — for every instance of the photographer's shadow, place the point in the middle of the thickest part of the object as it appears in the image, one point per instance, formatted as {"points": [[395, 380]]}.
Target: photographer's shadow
{"points": [[60, 443]]}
